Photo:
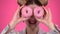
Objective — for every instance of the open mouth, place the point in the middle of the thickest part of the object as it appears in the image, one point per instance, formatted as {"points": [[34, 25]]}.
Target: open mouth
{"points": [[32, 21]]}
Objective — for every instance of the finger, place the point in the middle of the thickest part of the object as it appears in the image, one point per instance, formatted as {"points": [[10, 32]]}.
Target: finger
{"points": [[45, 10], [45, 13], [21, 6], [16, 13], [49, 12], [38, 19], [18, 9], [23, 19], [20, 19]]}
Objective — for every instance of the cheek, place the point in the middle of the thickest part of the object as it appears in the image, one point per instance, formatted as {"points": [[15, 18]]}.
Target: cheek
{"points": [[26, 12], [38, 12]]}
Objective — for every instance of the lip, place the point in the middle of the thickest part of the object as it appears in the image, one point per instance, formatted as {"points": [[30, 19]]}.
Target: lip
{"points": [[32, 21]]}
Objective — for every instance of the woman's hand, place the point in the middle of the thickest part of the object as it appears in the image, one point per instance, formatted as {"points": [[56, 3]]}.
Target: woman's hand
{"points": [[16, 18], [47, 19]]}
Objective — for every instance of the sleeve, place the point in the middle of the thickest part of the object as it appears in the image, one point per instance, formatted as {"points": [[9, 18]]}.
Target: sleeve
{"points": [[6, 29], [53, 32], [57, 31]]}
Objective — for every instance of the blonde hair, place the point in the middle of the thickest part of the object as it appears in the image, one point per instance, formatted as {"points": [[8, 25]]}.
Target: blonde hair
{"points": [[38, 2]]}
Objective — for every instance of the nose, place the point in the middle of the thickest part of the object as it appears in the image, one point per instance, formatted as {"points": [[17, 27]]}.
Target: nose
{"points": [[32, 17]]}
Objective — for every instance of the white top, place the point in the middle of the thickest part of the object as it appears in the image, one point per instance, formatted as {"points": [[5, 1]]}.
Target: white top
{"points": [[24, 31]]}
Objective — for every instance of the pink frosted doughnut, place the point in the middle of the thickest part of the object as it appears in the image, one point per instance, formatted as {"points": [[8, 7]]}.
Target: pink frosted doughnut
{"points": [[38, 12], [26, 11]]}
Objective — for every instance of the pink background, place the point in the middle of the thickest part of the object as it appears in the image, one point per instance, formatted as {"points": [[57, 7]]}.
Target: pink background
{"points": [[8, 8]]}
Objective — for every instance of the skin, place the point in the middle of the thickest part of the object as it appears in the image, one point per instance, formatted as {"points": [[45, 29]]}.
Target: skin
{"points": [[31, 28]]}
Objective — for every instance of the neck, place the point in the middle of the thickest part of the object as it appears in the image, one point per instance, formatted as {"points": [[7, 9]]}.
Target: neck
{"points": [[33, 29]]}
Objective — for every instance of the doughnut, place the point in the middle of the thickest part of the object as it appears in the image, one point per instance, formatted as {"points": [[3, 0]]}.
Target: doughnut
{"points": [[26, 11], [38, 12]]}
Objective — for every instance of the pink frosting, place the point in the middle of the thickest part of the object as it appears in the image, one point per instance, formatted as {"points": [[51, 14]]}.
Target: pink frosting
{"points": [[38, 12], [26, 11]]}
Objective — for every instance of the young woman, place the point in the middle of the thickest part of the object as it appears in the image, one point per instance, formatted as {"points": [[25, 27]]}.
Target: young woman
{"points": [[31, 21]]}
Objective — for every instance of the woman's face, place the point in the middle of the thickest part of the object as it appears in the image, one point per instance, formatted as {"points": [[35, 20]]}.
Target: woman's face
{"points": [[32, 12], [32, 19]]}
